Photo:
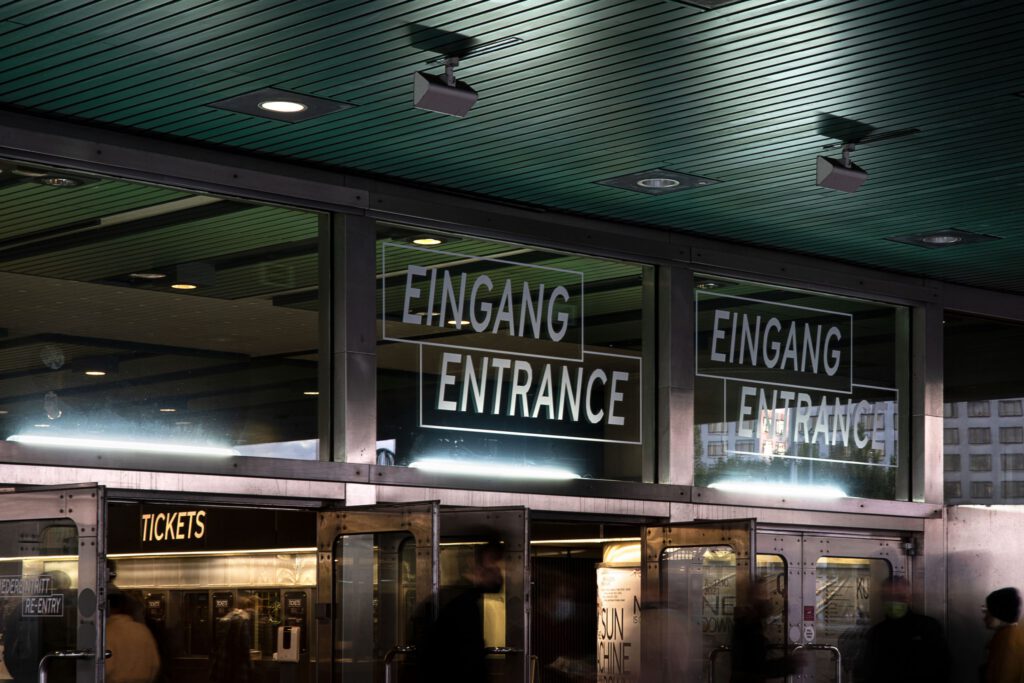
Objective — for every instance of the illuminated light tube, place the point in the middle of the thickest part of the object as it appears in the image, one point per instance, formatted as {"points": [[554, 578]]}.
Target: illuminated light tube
{"points": [[446, 466], [773, 489], [111, 445]]}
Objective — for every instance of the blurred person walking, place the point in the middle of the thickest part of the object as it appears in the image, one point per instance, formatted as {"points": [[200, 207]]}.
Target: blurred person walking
{"points": [[1005, 661], [133, 652]]}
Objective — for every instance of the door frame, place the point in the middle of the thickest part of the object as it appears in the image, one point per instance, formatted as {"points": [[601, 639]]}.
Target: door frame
{"points": [[85, 505]]}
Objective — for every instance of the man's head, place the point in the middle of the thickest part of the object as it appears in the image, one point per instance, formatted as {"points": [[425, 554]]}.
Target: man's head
{"points": [[1002, 607], [489, 560]]}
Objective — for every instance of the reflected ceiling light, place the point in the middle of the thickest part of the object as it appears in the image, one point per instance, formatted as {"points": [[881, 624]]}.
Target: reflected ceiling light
{"points": [[193, 275], [310, 393], [779, 489], [708, 284], [41, 425], [168, 410], [491, 469], [3, 412], [96, 373], [117, 445], [937, 239], [585, 541], [282, 106], [147, 276], [657, 181], [840, 174], [458, 323], [427, 241]]}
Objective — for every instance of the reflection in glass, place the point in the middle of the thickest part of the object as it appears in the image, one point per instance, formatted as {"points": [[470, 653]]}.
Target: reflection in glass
{"points": [[101, 344], [375, 604], [799, 389], [38, 606], [847, 603], [511, 358], [983, 422]]}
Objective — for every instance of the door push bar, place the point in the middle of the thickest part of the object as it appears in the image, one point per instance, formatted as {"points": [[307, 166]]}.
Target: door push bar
{"points": [[44, 663], [712, 656], [837, 656]]}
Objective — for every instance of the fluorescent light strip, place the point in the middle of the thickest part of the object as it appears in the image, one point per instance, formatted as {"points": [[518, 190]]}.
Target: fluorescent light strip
{"points": [[585, 541], [112, 445], [446, 466], [210, 553], [776, 489]]}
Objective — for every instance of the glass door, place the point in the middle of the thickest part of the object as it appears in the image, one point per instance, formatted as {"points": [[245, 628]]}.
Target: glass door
{"points": [[696, 579], [52, 583], [377, 579], [485, 559]]}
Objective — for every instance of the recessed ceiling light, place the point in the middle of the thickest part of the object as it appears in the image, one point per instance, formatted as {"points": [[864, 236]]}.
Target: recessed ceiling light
{"points": [[168, 410], [282, 106], [42, 426], [147, 276], [182, 423], [458, 323], [938, 239], [310, 393], [3, 412], [708, 284], [427, 241], [657, 181], [96, 373], [184, 285]]}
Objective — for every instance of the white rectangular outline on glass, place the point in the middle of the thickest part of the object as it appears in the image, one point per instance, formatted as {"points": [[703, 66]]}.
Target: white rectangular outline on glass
{"points": [[639, 422], [384, 318], [696, 340], [896, 442]]}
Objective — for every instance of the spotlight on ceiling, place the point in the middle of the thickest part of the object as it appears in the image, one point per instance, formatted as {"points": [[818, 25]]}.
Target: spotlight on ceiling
{"points": [[443, 94], [938, 239], [193, 275], [841, 174]]}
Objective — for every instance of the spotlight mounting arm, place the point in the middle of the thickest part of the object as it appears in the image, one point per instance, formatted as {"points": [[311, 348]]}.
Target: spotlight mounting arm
{"points": [[449, 70], [848, 147]]}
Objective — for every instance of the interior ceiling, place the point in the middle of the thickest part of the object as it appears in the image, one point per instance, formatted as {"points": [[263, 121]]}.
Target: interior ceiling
{"points": [[747, 95]]}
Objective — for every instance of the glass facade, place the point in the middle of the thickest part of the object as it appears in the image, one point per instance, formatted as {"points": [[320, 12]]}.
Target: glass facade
{"points": [[983, 448], [502, 359], [798, 389], [155, 320]]}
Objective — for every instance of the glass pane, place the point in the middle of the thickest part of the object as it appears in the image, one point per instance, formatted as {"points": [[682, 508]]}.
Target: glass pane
{"points": [[153, 315], [375, 605], [798, 391], [983, 421], [505, 360], [847, 603], [38, 596], [699, 589]]}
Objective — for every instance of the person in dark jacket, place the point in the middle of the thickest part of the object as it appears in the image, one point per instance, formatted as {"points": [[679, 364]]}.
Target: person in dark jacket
{"points": [[230, 660], [750, 661], [904, 647], [452, 649]]}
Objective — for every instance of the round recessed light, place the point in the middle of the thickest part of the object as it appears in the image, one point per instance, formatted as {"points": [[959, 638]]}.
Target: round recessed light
{"points": [[183, 285], [147, 276], [940, 239], [282, 106], [427, 241], [58, 181], [708, 284], [310, 393], [658, 183], [96, 373]]}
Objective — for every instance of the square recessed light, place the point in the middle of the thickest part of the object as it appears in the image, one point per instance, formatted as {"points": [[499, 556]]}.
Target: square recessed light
{"points": [[937, 239], [657, 181], [281, 105]]}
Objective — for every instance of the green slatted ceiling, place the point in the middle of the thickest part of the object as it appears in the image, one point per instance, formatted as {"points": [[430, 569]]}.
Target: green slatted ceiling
{"points": [[29, 207], [599, 88], [199, 240]]}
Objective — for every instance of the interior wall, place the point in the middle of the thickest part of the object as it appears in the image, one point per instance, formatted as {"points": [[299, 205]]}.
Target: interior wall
{"points": [[985, 551]]}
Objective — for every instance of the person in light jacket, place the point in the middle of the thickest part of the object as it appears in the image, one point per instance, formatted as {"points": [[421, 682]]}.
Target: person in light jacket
{"points": [[1005, 662], [133, 653]]}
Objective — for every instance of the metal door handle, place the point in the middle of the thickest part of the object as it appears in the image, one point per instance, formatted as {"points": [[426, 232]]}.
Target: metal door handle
{"points": [[44, 663], [837, 656], [712, 656], [389, 658]]}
